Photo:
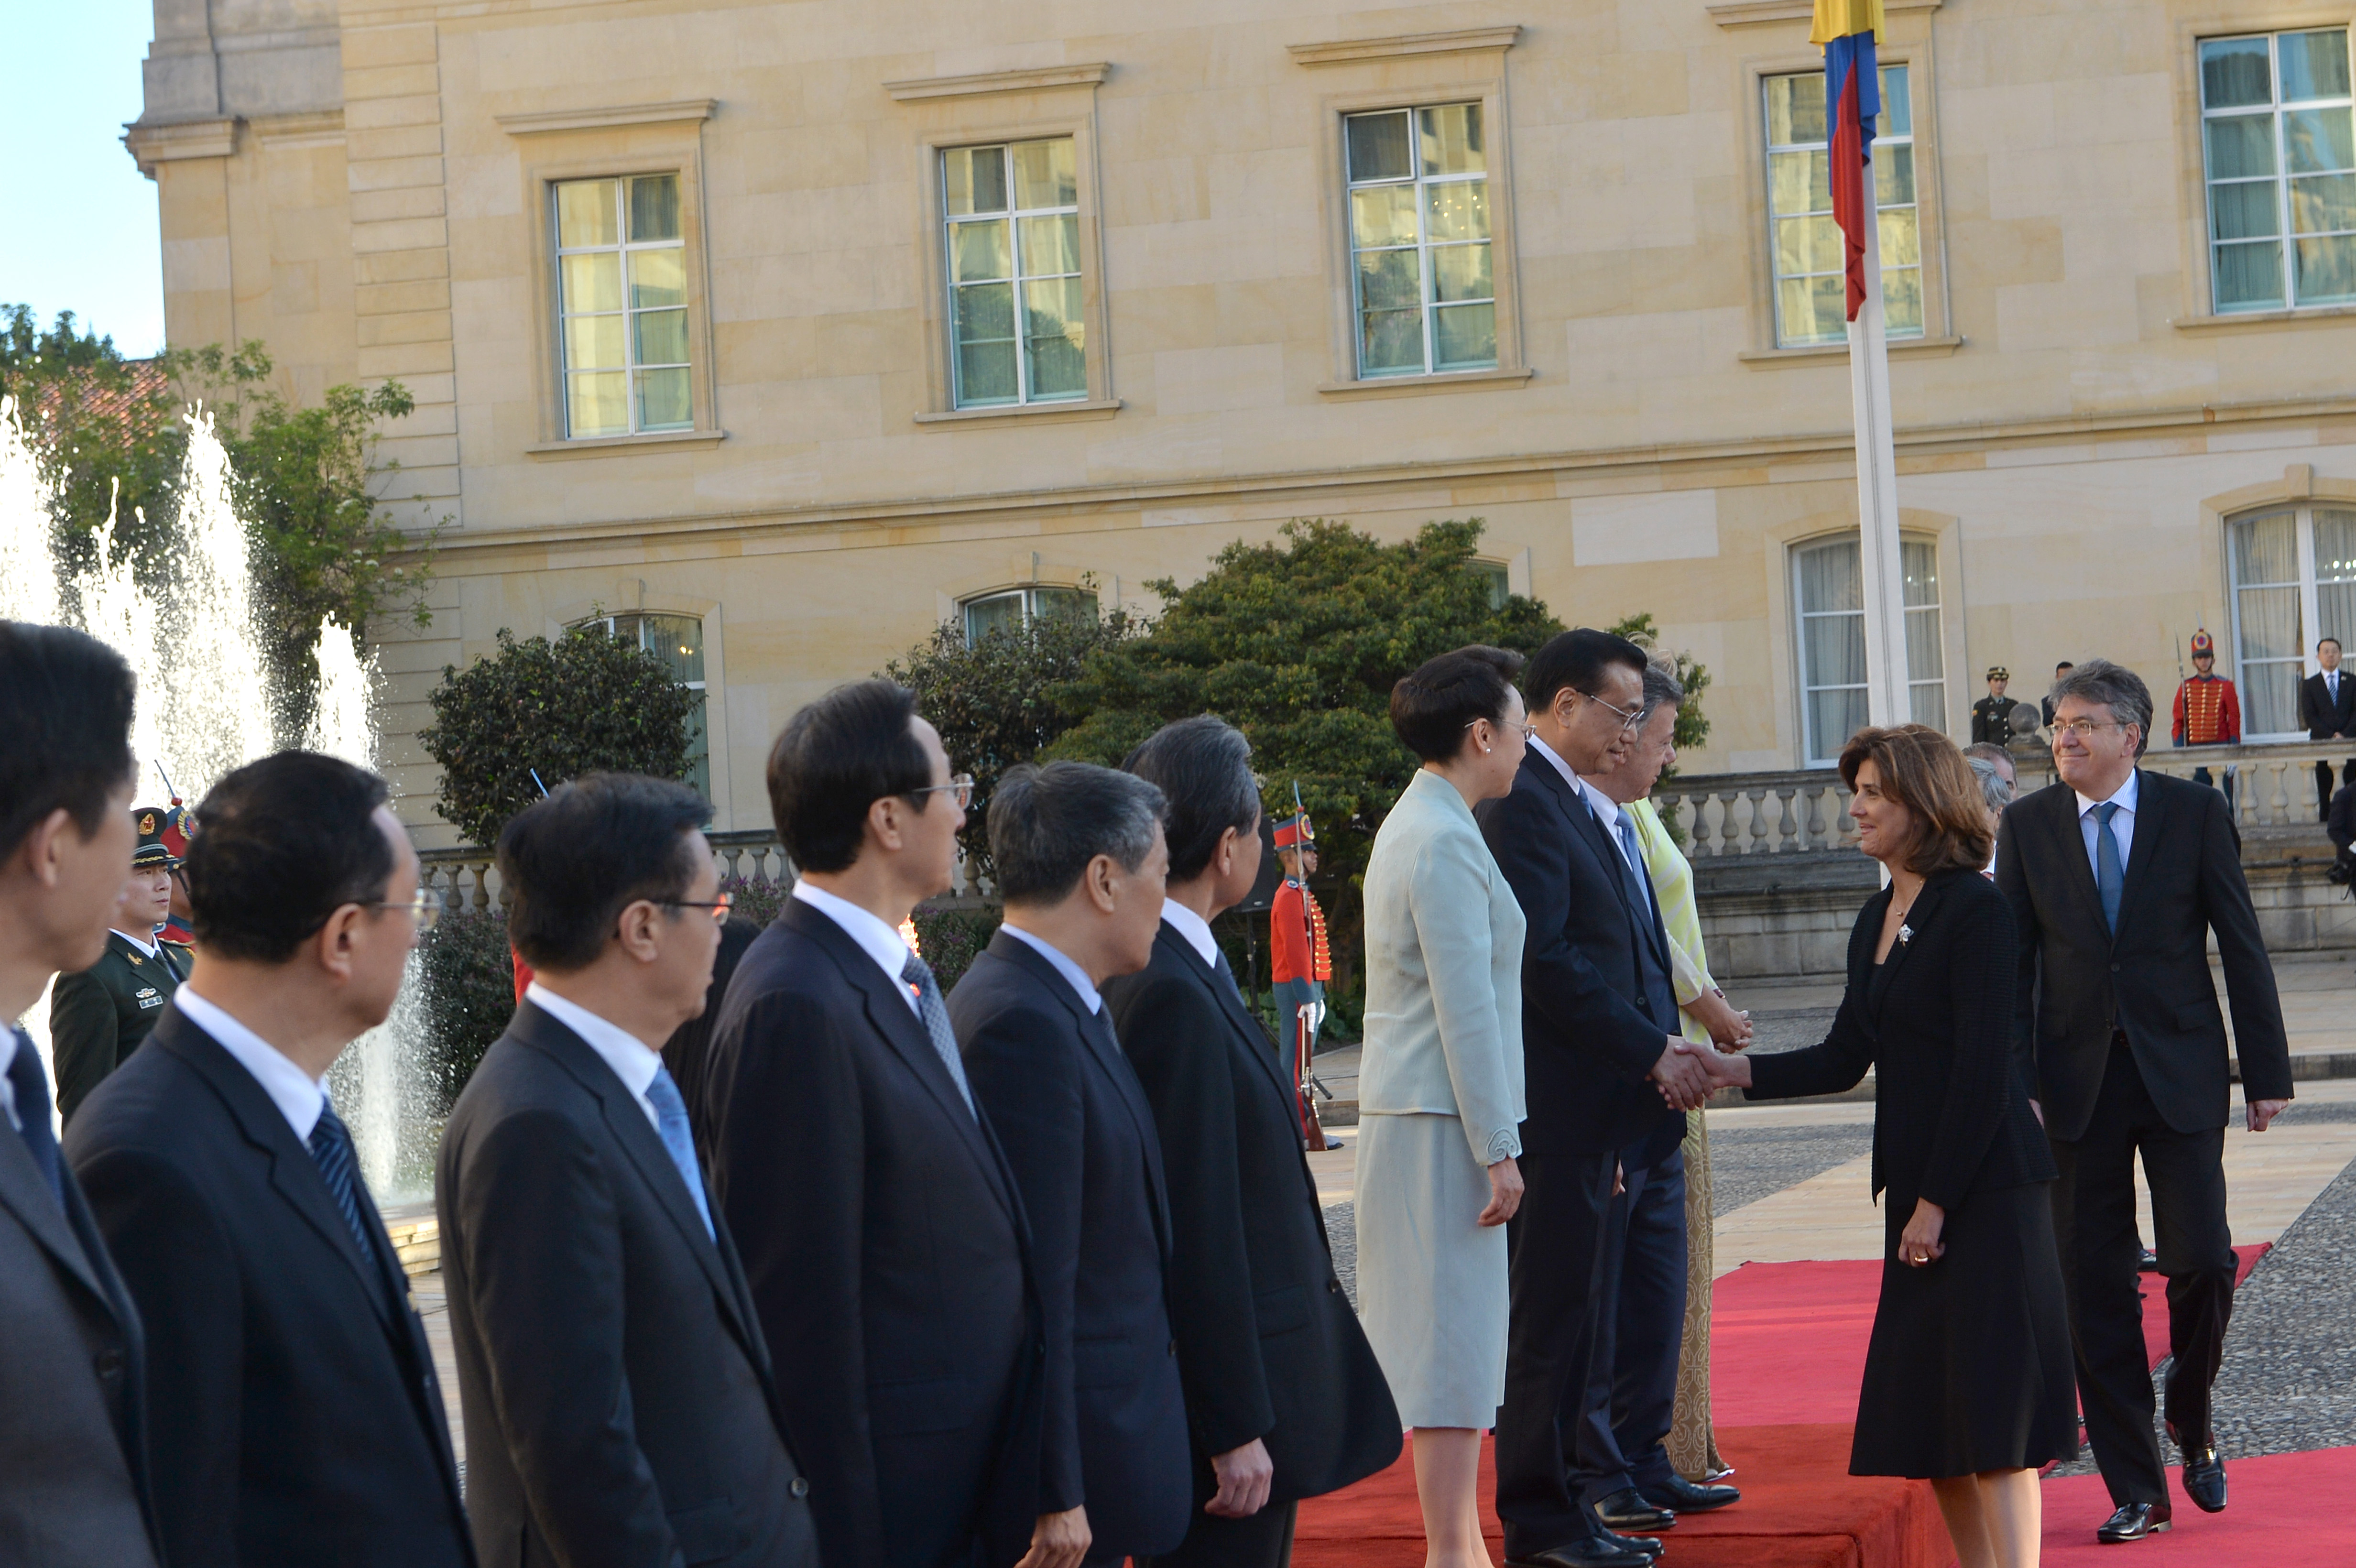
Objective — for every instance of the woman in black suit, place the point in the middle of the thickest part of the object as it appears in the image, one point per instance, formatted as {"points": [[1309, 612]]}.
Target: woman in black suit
{"points": [[1969, 1379]]}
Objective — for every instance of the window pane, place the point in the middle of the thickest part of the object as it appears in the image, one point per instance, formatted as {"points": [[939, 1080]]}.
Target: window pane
{"points": [[1830, 580], [1893, 176], [658, 277], [2327, 269], [677, 641], [1500, 581], [1918, 568], [1795, 109], [1833, 718], [1383, 216], [2335, 556], [1900, 239], [2271, 694], [2322, 204], [597, 404], [1460, 272], [593, 343], [1452, 139], [978, 250], [1816, 310], [2234, 72], [2241, 146], [1896, 102], [2244, 211], [1046, 174], [986, 372], [999, 612], [2249, 277], [2313, 65], [2317, 139], [663, 400], [1801, 182], [1379, 146], [2265, 551], [974, 179], [653, 207], [1457, 211], [593, 282], [699, 749], [661, 336], [1902, 302], [585, 213], [1391, 342], [1050, 245], [1052, 309], [2335, 604], [2270, 623], [1927, 699], [1464, 337], [1834, 645], [1066, 604], [1807, 245], [1387, 278], [984, 312], [1924, 656]]}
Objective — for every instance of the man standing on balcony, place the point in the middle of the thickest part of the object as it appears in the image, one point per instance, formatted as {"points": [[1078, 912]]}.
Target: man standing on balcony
{"points": [[2327, 706], [2208, 709]]}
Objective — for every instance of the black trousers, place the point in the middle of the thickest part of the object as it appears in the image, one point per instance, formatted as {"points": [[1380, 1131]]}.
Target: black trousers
{"points": [[2095, 1226], [1556, 1242], [1622, 1420], [2323, 790], [1263, 1541]]}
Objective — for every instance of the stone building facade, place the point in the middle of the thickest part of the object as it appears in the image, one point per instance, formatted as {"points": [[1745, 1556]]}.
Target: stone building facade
{"points": [[783, 332]]}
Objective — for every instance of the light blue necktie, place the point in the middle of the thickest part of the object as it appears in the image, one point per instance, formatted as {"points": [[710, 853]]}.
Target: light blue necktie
{"points": [[670, 1122], [1634, 857], [917, 974], [2110, 877]]}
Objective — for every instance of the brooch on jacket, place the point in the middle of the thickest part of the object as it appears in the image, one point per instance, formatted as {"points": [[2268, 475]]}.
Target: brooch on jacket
{"points": [[1905, 933]]}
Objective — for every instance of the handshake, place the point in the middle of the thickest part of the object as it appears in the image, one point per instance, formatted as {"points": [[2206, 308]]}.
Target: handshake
{"points": [[1687, 1074]]}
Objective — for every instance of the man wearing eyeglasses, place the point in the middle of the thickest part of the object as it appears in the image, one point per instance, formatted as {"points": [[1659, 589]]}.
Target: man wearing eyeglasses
{"points": [[293, 1412], [2118, 877]]}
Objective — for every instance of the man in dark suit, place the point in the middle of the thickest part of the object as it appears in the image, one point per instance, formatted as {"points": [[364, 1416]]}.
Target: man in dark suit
{"points": [[620, 1407], [2117, 878], [880, 1224], [1284, 1398], [1606, 1082], [2327, 706], [295, 1415], [73, 1475], [1080, 860]]}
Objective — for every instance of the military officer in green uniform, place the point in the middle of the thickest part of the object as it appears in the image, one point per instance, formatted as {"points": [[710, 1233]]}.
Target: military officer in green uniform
{"points": [[99, 1016], [1992, 714]]}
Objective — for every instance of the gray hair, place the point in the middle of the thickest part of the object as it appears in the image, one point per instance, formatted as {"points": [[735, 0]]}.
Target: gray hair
{"points": [[1995, 788], [1661, 686], [2115, 686], [1204, 767], [1046, 824]]}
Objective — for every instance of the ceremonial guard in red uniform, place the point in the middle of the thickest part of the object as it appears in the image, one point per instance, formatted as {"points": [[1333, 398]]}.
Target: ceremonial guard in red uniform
{"points": [[2208, 709], [179, 823], [1299, 962]]}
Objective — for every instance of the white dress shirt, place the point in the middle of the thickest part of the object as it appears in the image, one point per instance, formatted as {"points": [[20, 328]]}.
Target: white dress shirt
{"points": [[1194, 928], [144, 945], [1072, 972], [633, 1061], [2122, 825], [298, 1096], [875, 939]]}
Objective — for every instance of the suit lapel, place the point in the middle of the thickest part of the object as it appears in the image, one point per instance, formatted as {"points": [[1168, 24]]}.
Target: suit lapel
{"points": [[2069, 847], [2151, 808], [23, 1193], [1917, 920], [1644, 922]]}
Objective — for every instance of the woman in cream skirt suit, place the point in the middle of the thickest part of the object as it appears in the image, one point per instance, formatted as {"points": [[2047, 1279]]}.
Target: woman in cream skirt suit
{"points": [[1440, 1085]]}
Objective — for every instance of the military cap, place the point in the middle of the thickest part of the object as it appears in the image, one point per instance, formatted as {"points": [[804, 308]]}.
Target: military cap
{"points": [[1294, 833], [179, 827], [1998, 672], [2204, 646], [151, 821]]}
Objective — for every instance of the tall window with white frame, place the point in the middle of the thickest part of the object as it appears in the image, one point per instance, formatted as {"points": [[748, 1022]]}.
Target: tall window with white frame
{"points": [[1011, 224], [1015, 608], [1828, 602], [2278, 140], [677, 641], [1420, 245], [1804, 244], [2294, 579], [621, 281]]}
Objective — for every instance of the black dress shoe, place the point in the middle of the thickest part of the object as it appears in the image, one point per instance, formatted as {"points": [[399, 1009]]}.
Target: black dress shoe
{"points": [[1650, 1545], [2149, 1263], [2204, 1480], [1628, 1509], [1689, 1497], [1599, 1552], [2133, 1523]]}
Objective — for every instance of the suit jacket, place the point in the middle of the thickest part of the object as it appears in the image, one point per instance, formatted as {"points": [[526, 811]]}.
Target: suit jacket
{"points": [[2324, 715], [98, 1017], [888, 1256], [1934, 1020], [1588, 1029], [2151, 979], [1080, 1138], [1268, 1346], [72, 1443], [294, 1415], [617, 1391]]}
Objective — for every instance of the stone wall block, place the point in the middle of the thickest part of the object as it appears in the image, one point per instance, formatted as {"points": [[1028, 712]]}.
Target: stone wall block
{"points": [[374, 47], [389, 205]]}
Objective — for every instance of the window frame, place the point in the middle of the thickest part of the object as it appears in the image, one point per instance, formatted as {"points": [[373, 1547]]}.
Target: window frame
{"points": [[1027, 592], [700, 747], [1017, 278], [2309, 585], [1769, 148], [2276, 107], [624, 248], [1800, 616], [1428, 303]]}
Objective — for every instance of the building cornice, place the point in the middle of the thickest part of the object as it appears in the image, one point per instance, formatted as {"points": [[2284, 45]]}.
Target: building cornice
{"points": [[152, 144], [1088, 74], [1809, 456], [1459, 41], [535, 122]]}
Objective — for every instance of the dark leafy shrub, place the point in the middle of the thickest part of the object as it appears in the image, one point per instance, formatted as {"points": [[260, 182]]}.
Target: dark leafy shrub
{"points": [[469, 994]]}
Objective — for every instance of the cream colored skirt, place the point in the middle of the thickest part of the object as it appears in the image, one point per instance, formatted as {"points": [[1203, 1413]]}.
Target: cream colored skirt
{"points": [[1432, 1287]]}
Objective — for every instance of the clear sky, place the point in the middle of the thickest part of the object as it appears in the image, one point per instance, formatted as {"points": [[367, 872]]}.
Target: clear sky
{"points": [[77, 225]]}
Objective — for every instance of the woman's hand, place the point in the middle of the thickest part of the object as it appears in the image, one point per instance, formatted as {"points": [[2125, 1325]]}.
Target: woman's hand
{"points": [[1505, 1192], [1730, 1029], [1919, 1244], [1725, 1072]]}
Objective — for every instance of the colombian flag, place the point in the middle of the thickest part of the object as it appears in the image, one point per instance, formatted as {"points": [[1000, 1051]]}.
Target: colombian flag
{"points": [[1846, 31]]}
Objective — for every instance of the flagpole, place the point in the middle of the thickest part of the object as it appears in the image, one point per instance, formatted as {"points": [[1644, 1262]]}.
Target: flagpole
{"points": [[1888, 697]]}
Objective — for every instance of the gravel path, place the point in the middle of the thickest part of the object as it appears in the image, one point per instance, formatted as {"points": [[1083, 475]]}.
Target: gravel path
{"points": [[1747, 1164]]}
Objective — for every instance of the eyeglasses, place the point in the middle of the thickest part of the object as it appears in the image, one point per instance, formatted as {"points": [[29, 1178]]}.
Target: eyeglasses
{"points": [[1628, 721], [960, 786], [719, 906], [423, 906], [2082, 728]]}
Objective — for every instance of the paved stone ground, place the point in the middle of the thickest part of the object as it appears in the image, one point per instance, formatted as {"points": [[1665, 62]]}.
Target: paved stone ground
{"points": [[1747, 1164]]}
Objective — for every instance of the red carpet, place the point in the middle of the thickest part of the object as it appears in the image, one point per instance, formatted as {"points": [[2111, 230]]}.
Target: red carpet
{"points": [[2285, 1512]]}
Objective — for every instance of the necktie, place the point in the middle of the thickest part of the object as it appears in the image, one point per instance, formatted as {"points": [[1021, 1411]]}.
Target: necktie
{"points": [[331, 1151], [1228, 974], [2110, 877], [1633, 860], [917, 974], [670, 1121], [32, 1087]]}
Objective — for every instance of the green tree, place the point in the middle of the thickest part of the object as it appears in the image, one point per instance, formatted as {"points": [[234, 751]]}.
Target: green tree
{"points": [[583, 703], [999, 699]]}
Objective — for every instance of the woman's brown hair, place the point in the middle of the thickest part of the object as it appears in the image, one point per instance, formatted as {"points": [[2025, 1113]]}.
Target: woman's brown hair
{"points": [[1922, 770]]}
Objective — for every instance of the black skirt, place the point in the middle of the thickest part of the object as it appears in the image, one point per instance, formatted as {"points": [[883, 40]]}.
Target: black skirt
{"points": [[1970, 1365]]}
